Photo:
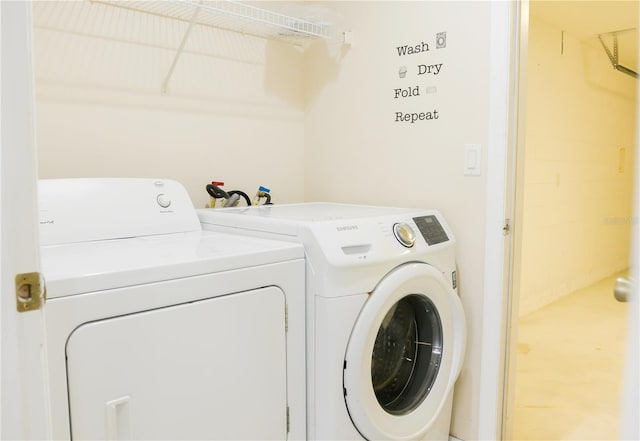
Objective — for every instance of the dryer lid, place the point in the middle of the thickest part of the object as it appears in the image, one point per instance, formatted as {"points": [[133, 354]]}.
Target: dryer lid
{"points": [[345, 236], [290, 219], [94, 266], [310, 212], [104, 233]]}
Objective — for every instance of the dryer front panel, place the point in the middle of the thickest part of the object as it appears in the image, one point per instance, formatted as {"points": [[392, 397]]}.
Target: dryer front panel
{"points": [[404, 354], [214, 368]]}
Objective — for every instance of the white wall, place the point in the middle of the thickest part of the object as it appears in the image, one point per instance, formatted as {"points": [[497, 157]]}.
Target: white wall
{"points": [[357, 152], [577, 187], [233, 111], [318, 125]]}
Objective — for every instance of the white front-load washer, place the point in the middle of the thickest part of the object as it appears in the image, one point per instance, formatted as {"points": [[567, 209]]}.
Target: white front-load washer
{"points": [[156, 329], [386, 332]]}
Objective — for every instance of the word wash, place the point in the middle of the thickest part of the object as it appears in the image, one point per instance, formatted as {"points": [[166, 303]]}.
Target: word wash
{"points": [[410, 50]]}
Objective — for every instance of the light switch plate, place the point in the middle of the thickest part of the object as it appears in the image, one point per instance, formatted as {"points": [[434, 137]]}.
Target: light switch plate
{"points": [[472, 159]]}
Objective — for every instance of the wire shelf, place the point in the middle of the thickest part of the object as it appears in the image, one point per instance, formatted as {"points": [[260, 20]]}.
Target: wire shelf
{"points": [[233, 16], [177, 27]]}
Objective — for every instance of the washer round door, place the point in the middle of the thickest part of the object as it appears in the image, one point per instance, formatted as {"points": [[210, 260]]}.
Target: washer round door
{"points": [[404, 354]]}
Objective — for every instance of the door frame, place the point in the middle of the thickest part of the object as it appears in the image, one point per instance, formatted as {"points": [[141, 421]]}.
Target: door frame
{"points": [[509, 33], [25, 397], [502, 263]]}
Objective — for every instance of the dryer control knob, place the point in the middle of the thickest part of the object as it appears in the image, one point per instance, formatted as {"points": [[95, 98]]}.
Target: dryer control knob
{"points": [[163, 200], [404, 234]]}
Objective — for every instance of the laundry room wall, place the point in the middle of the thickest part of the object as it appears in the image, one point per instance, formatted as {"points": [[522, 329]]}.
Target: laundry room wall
{"points": [[374, 135], [578, 180], [233, 110], [335, 122]]}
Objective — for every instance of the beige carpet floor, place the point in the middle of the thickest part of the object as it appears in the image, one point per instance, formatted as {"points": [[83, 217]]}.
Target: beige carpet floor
{"points": [[570, 359]]}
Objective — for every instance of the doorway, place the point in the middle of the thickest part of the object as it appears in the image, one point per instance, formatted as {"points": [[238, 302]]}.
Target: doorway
{"points": [[576, 216]]}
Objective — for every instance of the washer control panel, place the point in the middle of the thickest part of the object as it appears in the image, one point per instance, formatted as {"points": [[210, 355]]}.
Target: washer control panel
{"points": [[404, 234], [431, 229]]}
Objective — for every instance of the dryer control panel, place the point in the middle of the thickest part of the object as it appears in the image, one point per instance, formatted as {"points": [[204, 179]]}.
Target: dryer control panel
{"points": [[90, 209]]}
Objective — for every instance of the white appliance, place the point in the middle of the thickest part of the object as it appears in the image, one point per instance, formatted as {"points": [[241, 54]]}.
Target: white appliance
{"points": [[386, 332], [156, 329]]}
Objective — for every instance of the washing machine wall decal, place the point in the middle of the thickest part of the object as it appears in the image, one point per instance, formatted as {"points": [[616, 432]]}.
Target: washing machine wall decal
{"points": [[404, 354]]}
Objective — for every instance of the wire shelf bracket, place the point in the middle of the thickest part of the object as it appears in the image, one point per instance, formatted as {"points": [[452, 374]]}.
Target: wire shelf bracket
{"points": [[613, 56], [165, 83]]}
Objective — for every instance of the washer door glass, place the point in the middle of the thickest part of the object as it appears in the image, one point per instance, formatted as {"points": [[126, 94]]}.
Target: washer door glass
{"points": [[406, 354]]}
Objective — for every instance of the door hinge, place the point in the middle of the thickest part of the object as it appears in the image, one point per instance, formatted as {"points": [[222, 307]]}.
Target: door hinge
{"points": [[31, 292], [288, 421], [506, 230], [286, 318]]}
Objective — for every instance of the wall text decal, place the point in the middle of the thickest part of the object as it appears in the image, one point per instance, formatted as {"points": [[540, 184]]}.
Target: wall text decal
{"points": [[410, 50], [418, 68], [414, 117]]}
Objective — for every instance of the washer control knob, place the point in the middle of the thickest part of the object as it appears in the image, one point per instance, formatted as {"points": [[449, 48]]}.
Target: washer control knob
{"points": [[163, 200], [404, 234]]}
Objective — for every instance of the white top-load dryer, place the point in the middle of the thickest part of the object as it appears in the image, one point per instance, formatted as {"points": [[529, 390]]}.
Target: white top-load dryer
{"points": [[156, 329], [386, 332]]}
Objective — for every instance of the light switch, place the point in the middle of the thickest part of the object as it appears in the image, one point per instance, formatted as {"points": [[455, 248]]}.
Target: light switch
{"points": [[472, 159]]}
